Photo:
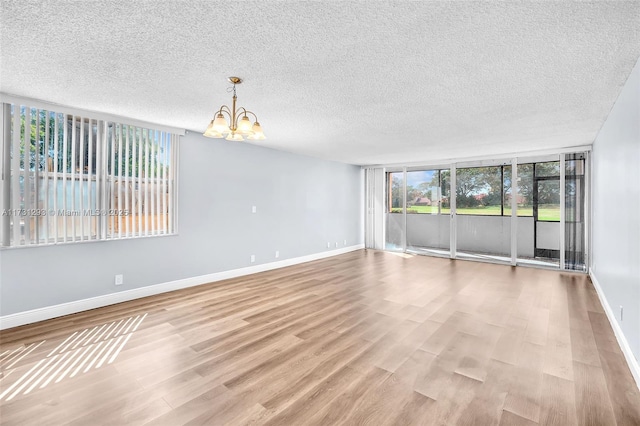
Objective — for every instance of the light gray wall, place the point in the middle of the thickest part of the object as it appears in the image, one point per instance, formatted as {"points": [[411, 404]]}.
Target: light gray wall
{"points": [[302, 204], [616, 209]]}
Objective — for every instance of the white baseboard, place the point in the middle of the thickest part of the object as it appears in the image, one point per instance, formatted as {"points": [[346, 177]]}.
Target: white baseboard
{"points": [[41, 314], [622, 340]]}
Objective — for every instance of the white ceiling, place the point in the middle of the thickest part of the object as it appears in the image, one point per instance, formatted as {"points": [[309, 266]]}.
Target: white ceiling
{"points": [[357, 82]]}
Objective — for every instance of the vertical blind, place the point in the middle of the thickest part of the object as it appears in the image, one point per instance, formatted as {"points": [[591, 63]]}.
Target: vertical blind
{"points": [[374, 207], [68, 178]]}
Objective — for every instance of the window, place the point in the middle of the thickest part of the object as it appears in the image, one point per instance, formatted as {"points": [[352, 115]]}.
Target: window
{"points": [[73, 178], [445, 190], [548, 169], [546, 193], [428, 192], [479, 191], [487, 190], [525, 190]]}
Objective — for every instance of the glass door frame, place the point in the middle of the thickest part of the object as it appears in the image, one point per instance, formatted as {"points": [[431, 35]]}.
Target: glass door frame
{"points": [[492, 162], [432, 167], [388, 207]]}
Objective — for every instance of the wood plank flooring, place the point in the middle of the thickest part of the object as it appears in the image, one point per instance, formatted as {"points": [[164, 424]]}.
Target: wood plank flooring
{"points": [[367, 337]]}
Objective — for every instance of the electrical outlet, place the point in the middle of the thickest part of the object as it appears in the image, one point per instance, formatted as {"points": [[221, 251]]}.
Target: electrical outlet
{"points": [[253, 258], [345, 242], [253, 209], [277, 254], [621, 313], [336, 244], [328, 245], [119, 279]]}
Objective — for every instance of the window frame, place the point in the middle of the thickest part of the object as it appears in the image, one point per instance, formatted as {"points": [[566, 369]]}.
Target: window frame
{"points": [[439, 173]]}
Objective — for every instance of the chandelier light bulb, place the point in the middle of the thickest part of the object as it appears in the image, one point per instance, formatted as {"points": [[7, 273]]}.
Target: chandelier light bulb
{"points": [[211, 132], [220, 125], [244, 126], [257, 132], [236, 137]]}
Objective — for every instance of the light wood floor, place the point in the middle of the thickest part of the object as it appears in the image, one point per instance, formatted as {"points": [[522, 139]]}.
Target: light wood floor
{"points": [[363, 338]]}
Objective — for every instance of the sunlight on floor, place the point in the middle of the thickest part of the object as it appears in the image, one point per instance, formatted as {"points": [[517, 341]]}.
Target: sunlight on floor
{"points": [[77, 354]]}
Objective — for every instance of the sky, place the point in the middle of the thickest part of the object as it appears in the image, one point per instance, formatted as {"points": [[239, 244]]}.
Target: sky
{"points": [[415, 178]]}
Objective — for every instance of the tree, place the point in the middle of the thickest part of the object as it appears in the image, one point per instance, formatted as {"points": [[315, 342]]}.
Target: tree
{"points": [[445, 188], [45, 128], [525, 184], [469, 182], [396, 192], [413, 193]]}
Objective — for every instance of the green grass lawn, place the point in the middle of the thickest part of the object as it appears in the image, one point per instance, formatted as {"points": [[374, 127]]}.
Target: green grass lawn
{"points": [[549, 213]]}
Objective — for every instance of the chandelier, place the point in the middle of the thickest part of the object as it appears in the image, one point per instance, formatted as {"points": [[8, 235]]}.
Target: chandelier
{"points": [[238, 125]]}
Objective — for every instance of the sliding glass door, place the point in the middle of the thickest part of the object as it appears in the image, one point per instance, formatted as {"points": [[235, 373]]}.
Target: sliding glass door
{"points": [[483, 227], [538, 232], [428, 211], [546, 211], [466, 210]]}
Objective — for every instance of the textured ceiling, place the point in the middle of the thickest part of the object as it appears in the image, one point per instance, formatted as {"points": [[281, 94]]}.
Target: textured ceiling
{"points": [[358, 82]]}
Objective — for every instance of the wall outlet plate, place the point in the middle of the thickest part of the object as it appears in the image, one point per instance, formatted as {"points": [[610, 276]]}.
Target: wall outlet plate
{"points": [[253, 258], [119, 279], [277, 254]]}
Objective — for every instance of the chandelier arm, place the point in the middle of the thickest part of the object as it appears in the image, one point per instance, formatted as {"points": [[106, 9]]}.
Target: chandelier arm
{"points": [[246, 111], [241, 109], [237, 112], [227, 110]]}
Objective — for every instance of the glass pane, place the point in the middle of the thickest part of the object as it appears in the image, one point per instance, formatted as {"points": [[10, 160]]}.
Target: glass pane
{"points": [[479, 191], [394, 216], [525, 189], [428, 192], [548, 203], [445, 190], [551, 168], [506, 190], [394, 192], [546, 212], [423, 192], [482, 231]]}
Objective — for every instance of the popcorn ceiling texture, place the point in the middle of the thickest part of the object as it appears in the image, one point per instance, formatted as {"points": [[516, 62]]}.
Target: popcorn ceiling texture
{"points": [[357, 82]]}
